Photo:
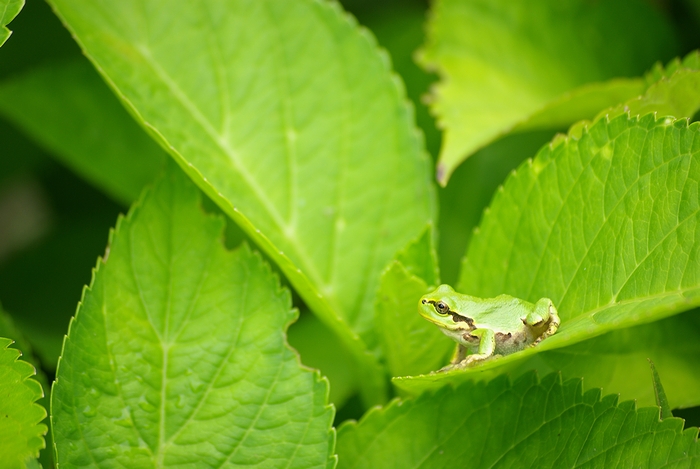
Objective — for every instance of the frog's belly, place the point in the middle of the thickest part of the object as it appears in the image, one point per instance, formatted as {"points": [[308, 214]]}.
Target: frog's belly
{"points": [[510, 343], [505, 343]]}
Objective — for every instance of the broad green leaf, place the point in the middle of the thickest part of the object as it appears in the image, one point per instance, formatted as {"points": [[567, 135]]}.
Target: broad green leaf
{"points": [[70, 111], [8, 10], [21, 434], [177, 354], [527, 424], [409, 343], [605, 225], [287, 116], [503, 62]]}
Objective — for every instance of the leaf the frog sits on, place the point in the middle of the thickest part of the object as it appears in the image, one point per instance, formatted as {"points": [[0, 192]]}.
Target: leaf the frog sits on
{"points": [[484, 328]]}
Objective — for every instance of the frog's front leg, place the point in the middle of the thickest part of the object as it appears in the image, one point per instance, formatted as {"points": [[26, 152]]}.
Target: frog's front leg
{"points": [[544, 313], [487, 345]]}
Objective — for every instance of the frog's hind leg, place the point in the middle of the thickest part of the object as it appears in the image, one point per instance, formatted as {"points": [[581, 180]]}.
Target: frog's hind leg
{"points": [[544, 312]]}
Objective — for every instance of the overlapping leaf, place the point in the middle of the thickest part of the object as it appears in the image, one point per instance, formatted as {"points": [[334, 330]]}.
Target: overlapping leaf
{"points": [[503, 62], [288, 117], [527, 424], [177, 354], [21, 434], [606, 225]]}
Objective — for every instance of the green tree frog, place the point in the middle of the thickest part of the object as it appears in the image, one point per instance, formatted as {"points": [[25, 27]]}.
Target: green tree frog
{"points": [[484, 328]]}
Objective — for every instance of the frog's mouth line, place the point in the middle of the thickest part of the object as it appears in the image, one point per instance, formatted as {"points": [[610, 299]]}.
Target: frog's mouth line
{"points": [[456, 317]]}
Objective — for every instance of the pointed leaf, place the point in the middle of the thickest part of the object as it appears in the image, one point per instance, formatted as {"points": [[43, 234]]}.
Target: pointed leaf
{"points": [[21, 434], [287, 116], [502, 62], [660, 394], [537, 424], [177, 354]]}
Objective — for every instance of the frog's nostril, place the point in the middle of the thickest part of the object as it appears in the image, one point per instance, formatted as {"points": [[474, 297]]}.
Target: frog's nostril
{"points": [[423, 301]]}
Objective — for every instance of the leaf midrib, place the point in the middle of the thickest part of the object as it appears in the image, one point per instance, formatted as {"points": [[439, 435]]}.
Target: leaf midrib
{"points": [[220, 142]]}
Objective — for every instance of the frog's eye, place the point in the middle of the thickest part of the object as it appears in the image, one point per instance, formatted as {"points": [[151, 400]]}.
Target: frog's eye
{"points": [[441, 307]]}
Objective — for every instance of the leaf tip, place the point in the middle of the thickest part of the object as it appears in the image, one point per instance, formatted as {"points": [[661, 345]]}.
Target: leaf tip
{"points": [[442, 174]]}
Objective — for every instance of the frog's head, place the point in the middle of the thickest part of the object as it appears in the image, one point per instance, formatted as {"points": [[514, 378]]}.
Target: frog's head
{"points": [[440, 308]]}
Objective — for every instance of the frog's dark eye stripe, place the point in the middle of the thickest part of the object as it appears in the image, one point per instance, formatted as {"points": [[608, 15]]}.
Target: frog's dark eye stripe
{"points": [[440, 306]]}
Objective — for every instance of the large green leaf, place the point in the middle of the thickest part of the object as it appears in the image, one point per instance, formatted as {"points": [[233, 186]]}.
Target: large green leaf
{"points": [[287, 116], [21, 434], [602, 224], [527, 424], [606, 225], [8, 10], [502, 62], [69, 110], [177, 354]]}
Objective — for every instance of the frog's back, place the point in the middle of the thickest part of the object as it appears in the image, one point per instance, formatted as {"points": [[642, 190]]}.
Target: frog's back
{"points": [[501, 314]]}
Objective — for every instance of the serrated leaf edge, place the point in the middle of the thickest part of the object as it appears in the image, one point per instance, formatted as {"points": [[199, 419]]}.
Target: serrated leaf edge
{"points": [[42, 428], [391, 409], [121, 219]]}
